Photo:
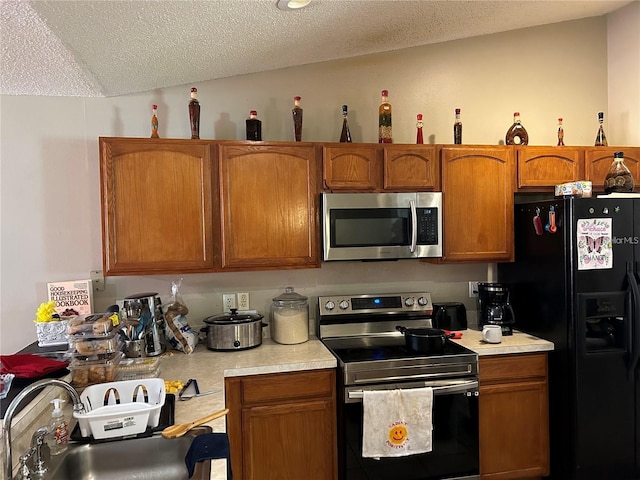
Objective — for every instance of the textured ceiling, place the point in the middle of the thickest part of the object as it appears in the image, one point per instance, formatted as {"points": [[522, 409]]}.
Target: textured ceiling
{"points": [[108, 48]]}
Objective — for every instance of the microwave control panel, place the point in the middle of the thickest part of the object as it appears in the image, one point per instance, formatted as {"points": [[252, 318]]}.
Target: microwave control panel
{"points": [[427, 226]]}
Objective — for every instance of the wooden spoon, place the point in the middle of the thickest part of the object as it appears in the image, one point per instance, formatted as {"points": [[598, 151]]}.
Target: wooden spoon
{"points": [[175, 431]]}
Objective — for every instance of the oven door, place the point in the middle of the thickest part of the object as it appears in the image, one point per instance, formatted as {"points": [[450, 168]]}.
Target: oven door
{"points": [[455, 436]]}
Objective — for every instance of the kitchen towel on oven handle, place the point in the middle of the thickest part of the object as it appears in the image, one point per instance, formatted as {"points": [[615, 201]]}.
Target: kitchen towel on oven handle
{"points": [[397, 423]]}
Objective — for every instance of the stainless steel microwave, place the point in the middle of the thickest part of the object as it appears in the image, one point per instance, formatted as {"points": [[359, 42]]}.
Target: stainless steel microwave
{"points": [[381, 226]]}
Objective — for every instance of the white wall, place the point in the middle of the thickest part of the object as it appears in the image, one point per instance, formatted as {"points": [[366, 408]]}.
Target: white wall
{"points": [[623, 41], [49, 153]]}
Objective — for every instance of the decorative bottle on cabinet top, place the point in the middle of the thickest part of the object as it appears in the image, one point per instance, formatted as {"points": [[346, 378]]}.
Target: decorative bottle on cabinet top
{"points": [[194, 114], [419, 125], [457, 129], [345, 135], [296, 112], [601, 139], [517, 134], [384, 120], [619, 178], [254, 127], [154, 122], [560, 133]]}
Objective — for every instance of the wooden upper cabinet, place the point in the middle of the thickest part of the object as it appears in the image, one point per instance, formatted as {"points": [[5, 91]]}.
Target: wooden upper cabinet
{"points": [[411, 168], [599, 159], [156, 206], [351, 167], [381, 168], [477, 186], [269, 197], [541, 168]]}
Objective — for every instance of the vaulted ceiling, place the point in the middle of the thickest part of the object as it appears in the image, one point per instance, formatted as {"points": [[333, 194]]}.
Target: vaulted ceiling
{"points": [[107, 48]]}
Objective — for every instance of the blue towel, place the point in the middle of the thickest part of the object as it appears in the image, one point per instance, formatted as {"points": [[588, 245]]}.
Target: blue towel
{"points": [[206, 447]]}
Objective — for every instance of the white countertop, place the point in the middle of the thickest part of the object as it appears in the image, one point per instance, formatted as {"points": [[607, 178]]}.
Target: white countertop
{"points": [[519, 342]]}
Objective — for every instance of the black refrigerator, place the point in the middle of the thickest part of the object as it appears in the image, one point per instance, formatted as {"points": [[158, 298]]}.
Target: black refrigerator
{"points": [[574, 282]]}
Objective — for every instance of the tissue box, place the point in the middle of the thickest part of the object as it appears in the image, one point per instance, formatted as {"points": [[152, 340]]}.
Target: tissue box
{"points": [[581, 188]]}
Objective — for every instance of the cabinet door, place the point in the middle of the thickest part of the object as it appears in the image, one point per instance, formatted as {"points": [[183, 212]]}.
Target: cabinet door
{"points": [[292, 440], [414, 169], [514, 416], [541, 168], [477, 187], [269, 197], [353, 167], [283, 425], [156, 206], [599, 159], [514, 439]]}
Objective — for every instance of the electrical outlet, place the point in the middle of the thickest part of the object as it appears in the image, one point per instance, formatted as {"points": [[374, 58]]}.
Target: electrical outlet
{"points": [[473, 289], [228, 301], [243, 301]]}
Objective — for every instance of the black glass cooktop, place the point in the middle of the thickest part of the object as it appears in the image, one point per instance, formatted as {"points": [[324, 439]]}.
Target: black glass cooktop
{"points": [[364, 349]]}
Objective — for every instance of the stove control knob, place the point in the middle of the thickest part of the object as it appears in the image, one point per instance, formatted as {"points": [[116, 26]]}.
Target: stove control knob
{"points": [[343, 304], [422, 301], [408, 301], [330, 305]]}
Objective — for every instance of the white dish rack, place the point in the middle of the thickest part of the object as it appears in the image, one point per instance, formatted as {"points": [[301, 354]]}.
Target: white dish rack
{"points": [[118, 409]]}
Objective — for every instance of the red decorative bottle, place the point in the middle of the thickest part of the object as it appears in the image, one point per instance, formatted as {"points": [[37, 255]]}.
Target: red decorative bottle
{"points": [[194, 114], [419, 124]]}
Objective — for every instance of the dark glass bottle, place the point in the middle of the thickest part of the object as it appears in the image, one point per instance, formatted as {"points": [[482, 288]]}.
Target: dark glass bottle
{"points": [[254, 127], [560, 133], [154, 122], [345, 135], [296, 112], [517, 134], [457, 129], [419, 124], [194, 114], [384, 120], [601, 139], [619, 178]]}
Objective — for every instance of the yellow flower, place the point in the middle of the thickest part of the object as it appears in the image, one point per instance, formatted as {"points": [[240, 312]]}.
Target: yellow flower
{"points": [[45, 312]]}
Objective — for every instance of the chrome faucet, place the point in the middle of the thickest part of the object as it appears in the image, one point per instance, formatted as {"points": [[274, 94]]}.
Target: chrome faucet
{"points": [[78, 406]]}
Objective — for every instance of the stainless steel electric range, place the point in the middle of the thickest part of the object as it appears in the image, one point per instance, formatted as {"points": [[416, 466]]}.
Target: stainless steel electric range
{"points": [[360, 330]]}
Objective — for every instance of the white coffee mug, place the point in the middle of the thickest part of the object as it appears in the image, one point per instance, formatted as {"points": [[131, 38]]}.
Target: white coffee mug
{"points": [[492, 333]]}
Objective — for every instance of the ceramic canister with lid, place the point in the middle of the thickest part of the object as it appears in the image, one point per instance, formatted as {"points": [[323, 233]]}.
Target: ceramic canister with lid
{"points": [[290, 318]]}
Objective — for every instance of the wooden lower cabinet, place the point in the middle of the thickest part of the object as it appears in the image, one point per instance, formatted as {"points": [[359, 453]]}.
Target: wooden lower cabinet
{"points": [[283, 426], [514, 416]]}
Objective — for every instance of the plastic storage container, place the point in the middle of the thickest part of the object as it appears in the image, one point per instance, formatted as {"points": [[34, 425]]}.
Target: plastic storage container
{"points": [[137, 368], [119, 409], [94, 324], [290, 318], [91, 372]]}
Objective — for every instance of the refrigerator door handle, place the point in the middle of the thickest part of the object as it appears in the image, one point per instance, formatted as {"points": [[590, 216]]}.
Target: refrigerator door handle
{"points": [[634, 320]]}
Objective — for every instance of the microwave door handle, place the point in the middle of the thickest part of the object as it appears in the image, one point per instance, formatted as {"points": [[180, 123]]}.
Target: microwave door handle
{"points": [[414, 226]]}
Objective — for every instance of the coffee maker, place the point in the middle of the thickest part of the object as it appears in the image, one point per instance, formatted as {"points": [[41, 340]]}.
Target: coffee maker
{"points": [[494, 307]]}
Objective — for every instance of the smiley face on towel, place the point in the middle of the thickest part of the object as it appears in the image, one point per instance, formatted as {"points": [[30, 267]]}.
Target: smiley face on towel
{"points": [[398, 434]]}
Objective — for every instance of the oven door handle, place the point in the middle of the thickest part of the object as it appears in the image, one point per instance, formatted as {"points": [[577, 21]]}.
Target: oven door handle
{"points": [[414, 226], [461, 387]]}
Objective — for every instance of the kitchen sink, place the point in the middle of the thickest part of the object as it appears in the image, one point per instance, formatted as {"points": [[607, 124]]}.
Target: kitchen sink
{"points": [[150, 458]]}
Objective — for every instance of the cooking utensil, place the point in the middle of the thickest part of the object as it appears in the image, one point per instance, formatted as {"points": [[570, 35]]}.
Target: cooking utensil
{"points": [[175, 431], [424, 340], [191, 389], [234, 331]]}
